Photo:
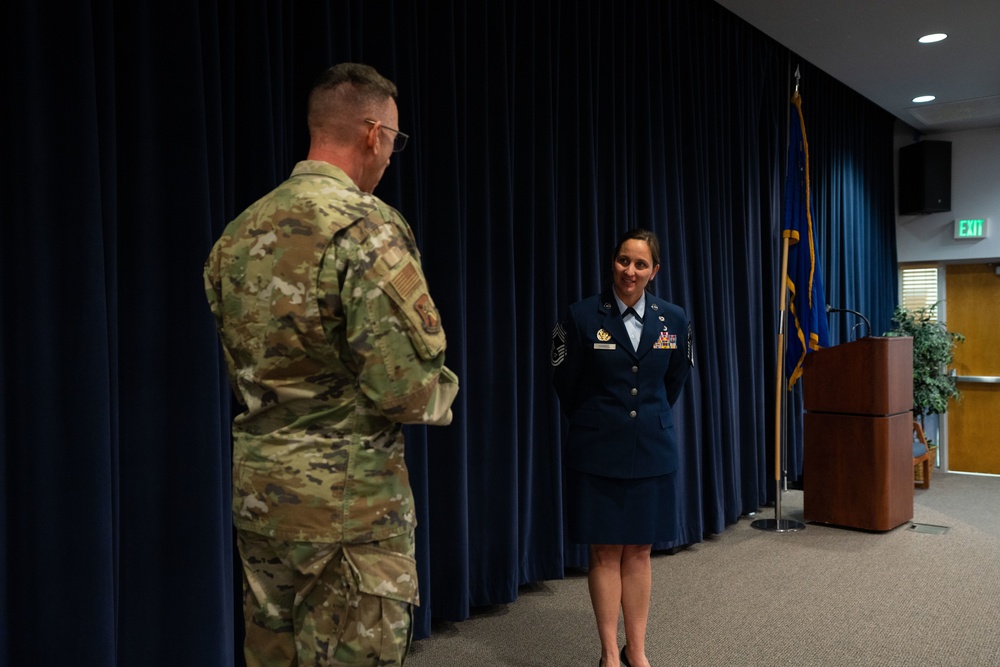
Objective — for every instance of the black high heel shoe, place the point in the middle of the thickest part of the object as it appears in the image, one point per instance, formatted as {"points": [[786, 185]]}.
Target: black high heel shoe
{"points": [[623, 658]]}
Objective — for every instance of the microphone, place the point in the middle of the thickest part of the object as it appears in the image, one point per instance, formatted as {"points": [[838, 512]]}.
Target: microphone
{"points": [[868, 331]]}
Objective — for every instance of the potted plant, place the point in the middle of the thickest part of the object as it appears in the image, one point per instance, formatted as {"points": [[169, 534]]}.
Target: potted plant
{"points": [[933, 351]]}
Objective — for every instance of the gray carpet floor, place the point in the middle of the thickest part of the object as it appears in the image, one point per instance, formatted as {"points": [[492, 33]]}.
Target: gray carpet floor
{"points": [[819, 596]]}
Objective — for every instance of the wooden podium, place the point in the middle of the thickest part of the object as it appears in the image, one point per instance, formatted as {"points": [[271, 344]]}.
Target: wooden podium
{"points": [[858, 434]]}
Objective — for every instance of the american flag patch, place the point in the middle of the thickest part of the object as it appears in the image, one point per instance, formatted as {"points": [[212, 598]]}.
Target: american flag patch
{"points": [[406, 281]]}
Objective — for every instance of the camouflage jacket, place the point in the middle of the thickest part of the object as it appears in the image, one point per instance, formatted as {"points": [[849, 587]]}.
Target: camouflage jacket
{"points": [[332, 343]]}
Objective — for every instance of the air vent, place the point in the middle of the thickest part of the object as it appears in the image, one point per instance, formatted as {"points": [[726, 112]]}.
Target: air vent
{"points": [[963, 114]]}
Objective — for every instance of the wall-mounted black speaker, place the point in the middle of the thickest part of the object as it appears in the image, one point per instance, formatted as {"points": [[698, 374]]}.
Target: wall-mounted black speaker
{"points": [[925, 178]]}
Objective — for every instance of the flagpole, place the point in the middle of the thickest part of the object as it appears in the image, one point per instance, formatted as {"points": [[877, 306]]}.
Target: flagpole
{"points": [[777, 524]]}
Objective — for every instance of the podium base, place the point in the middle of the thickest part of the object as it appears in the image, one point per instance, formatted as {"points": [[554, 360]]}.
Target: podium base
{"points": [[778, 525]]}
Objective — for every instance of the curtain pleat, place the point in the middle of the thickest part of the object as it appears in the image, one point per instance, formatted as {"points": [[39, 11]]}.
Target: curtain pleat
{"points": [[541, 130]]}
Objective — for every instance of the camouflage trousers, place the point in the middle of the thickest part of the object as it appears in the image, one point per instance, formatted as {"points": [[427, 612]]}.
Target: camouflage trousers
{"points": [[327, 605]]}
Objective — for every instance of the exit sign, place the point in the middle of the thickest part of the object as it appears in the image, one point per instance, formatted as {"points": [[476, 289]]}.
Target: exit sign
{"points": [[970, 229]]}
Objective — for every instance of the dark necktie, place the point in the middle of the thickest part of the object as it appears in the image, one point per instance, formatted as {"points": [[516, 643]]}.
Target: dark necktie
{"points": [[630, 309]]}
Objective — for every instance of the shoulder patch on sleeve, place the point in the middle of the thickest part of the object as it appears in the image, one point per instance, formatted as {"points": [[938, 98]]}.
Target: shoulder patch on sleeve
{"points": [[690, 344], [558, 353], [406, 281], [428, 314], [408, 289]]}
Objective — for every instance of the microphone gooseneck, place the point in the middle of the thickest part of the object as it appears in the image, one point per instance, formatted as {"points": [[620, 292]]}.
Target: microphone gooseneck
{"points": [[868, 325]]}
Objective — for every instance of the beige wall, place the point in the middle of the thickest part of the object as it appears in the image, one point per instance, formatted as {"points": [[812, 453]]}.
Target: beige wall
{"points": [[975, 193]]}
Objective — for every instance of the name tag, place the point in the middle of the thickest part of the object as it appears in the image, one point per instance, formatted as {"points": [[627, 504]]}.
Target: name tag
{"points": [[604, 346]]}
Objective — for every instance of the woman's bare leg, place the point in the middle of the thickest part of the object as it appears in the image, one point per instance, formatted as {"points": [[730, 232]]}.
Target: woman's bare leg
{"points": [[605, 582], [637, 585]]}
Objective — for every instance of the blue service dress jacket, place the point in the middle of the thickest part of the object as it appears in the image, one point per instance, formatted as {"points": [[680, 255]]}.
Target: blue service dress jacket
{"points": [[617, 399]]}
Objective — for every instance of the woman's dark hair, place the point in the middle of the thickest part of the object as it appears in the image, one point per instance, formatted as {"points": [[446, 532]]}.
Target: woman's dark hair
{"points": [[640, 234]]}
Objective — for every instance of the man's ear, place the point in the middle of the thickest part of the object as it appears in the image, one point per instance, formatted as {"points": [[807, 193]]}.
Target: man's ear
{"points": [[374, 136]]}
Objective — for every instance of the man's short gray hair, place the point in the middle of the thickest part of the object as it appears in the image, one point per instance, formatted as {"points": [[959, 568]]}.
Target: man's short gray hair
{"points": [[367, 90]]}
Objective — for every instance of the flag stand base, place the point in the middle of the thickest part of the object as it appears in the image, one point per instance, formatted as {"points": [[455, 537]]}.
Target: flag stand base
{"points": [[778, 525]]}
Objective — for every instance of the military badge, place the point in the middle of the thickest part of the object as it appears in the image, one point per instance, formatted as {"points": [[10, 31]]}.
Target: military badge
{"points": [[558, 353], [666, 341], [690, 344], [603, 335], [407, 280], [428, 315]]}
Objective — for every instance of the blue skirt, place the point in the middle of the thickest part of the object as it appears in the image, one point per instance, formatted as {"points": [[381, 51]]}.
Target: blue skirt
{"points": [[606, 510]]}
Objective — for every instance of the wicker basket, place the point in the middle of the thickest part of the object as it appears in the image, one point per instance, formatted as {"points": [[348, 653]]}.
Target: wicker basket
{"points": [[918, 470]]}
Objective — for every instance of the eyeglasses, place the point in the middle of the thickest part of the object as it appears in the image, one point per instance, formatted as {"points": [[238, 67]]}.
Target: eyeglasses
{"points": [[399, 140]]}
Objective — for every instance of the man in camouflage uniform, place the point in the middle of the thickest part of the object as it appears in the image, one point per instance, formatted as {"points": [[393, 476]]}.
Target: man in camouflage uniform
{"points": [[332, 343]]}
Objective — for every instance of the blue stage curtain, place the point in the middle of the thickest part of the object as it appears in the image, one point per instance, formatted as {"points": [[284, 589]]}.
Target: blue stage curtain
{"points": [[541, 129]]}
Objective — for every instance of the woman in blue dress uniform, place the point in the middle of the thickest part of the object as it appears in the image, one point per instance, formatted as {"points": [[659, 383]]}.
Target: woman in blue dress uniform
{"points": [[619, 361]]}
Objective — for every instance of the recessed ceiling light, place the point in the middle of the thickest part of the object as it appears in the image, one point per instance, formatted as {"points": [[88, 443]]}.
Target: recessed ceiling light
{"points": [[930, 39], [923, 98]]}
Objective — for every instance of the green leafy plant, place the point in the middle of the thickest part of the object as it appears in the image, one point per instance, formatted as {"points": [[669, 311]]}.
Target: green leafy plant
{"points": [[933, 351]]}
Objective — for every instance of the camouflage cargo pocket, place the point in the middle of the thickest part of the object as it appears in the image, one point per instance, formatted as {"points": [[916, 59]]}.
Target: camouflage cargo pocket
{"points": [[379, 624]]}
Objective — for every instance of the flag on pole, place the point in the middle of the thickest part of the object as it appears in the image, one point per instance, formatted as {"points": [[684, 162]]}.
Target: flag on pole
{"points": [[807, 327]]}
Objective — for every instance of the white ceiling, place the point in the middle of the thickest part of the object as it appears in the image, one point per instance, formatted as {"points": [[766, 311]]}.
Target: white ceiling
{"points": [[871, 46]]}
